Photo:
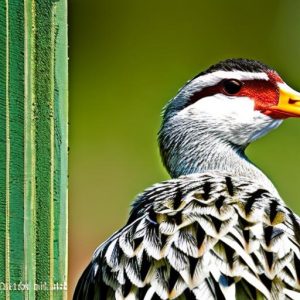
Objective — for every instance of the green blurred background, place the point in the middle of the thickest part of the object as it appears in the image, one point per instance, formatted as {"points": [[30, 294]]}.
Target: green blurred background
{"points": [[127, 58]]}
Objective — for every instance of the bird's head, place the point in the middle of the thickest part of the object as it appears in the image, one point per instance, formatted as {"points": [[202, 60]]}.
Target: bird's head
{"points": [[235, 101]]}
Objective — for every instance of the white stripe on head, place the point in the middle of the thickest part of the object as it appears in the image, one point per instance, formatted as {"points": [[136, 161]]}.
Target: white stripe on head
{"points": [[214, 78]]}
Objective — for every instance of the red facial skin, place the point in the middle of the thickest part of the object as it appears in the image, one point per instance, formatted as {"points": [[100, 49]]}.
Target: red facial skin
{"points": [[265, 94], [276, 114]]}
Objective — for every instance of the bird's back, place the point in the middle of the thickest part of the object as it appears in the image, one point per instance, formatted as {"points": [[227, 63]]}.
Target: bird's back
{"points": [[202, 236]]}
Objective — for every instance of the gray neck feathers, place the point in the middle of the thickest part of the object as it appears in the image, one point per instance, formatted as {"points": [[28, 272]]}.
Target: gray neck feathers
{"points": [[187, 150]]}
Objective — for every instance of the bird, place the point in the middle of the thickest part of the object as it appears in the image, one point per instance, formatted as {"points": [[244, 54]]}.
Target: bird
{"points": [[218, 228]]}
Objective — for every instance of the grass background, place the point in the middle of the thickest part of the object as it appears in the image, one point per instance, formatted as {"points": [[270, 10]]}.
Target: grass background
{"points": [[127, 58]]}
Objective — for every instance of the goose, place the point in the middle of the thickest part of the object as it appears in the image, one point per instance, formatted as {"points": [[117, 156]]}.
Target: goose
{"points": [[218, 229]]}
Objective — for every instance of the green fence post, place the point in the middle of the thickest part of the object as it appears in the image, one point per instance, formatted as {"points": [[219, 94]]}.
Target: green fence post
{"points": [[33, 149]]}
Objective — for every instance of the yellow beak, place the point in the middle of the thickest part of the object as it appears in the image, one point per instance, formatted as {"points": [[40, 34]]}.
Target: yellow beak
{"points": [[289, 101]]}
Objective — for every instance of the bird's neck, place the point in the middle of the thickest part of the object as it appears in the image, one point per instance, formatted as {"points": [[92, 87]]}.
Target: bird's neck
{"points": [[207, 154]]}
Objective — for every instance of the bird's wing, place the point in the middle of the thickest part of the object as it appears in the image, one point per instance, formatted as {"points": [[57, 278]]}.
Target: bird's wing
{"points": [[207, 236]]}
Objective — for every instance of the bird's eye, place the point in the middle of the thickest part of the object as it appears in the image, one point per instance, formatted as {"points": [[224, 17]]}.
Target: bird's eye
{"points": [[232, 86]]}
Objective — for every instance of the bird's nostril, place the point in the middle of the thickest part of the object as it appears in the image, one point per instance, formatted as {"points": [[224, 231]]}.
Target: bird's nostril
{"points": [[297, 102]]}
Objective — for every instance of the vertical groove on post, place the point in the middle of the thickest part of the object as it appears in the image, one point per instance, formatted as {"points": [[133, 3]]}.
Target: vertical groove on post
{"points": [[29, 155], [33, 148], [7, 142], [7, 150], [3, 157]]}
